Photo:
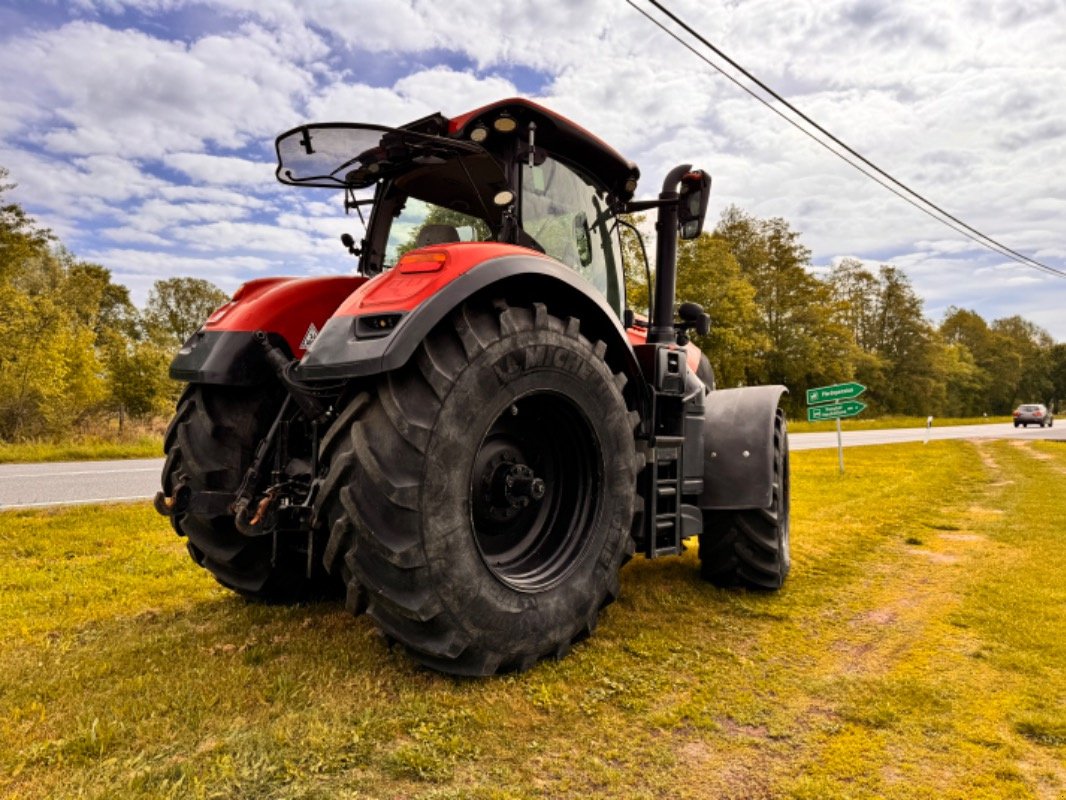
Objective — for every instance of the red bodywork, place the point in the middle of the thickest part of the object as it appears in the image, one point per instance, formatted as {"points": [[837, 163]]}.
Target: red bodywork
{"points": [[287, 306], [422, 273]]}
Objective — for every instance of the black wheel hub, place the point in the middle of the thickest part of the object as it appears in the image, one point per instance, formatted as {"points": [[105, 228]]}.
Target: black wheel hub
{"points": [[507, 485], [533, 490]]}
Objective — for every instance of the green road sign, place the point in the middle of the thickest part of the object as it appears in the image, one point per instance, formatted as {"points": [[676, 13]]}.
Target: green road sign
{"points": [[834, 411], [840, 391]]}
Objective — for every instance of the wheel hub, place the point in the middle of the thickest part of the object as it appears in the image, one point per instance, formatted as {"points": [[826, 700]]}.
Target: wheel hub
{"points": [[533, 490], [508, 485]]}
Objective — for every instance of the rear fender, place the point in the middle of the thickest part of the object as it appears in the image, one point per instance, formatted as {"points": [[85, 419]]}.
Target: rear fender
{"points": [[290, 310], [349, 347], [738, 447]]}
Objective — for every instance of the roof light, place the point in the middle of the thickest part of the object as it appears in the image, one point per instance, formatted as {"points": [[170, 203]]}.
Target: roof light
{"points": [[479, 134], [505, 123], [503, 198]]}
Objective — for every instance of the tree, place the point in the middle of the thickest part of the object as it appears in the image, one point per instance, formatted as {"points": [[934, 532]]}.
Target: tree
{"points": [[49, 375], [1057, 374], [708, 274], [856, 289], [138, 381], [1031, 346], [801, 321], [965, 329], [907, 344], [177, 307], [68, 332]]}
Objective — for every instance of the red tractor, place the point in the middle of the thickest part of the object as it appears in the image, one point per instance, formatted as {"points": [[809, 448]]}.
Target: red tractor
{"points": [[470, 437]]}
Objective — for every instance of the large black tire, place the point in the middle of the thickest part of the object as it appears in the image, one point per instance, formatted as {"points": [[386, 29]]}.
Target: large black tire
{"points": [[209, 445], [751, 547], [473, 574]]}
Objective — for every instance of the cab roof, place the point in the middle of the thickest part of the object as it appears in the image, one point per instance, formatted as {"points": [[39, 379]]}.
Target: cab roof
{"points": [[565, 139]]}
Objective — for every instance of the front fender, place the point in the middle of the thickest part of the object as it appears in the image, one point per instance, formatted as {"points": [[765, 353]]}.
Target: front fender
{"points": [[738, 447]]}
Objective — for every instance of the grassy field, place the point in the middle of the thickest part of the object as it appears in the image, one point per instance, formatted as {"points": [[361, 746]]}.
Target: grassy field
{"points": [[917, 651], [88, 449]]}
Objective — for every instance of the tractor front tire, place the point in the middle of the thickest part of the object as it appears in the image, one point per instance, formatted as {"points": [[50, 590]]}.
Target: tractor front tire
{"points": [[480, 499], [750, 547], [209, 445]]}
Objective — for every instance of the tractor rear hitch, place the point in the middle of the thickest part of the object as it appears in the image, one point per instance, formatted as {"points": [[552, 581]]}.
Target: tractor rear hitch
{"points": [[183, 500], [176, 503]]}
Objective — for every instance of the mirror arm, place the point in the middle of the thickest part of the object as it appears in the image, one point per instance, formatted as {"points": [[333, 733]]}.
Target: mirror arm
{"points": [[644, 205]]}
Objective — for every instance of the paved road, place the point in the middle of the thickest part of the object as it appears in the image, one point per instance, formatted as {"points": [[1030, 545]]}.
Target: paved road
{"points": [[72, 483], [78, 482], [812, 441]]}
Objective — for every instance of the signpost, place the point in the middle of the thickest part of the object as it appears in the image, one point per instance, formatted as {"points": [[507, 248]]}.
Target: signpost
{"points": [[837, 402], [840, 391], [834, 411]]}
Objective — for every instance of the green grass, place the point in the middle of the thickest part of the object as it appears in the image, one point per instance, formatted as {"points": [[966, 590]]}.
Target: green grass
{"points": [[83, 449], [882, 423], [918, 649]]}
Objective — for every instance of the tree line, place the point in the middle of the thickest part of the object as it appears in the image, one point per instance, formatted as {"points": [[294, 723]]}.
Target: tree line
{"points": [[76, 349], [774, 321]]}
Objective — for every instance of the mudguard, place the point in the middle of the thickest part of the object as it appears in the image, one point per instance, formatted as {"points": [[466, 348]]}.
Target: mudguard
{"points": [[738, 447], [379, 327], [290, 310]]}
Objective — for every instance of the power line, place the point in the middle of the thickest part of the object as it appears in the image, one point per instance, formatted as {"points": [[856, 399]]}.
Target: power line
{"points": [[866, 167]]}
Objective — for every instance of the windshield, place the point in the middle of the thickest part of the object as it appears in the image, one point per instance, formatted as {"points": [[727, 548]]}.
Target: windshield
{"points": [[420, 224], [341, 155], [569, 218]]}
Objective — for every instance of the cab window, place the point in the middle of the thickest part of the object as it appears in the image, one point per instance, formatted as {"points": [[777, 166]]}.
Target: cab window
{"points": [[567, 217], [421, 224]]}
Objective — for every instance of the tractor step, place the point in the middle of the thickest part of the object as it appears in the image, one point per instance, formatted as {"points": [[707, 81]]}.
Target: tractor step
{"points": [[664, 481]]}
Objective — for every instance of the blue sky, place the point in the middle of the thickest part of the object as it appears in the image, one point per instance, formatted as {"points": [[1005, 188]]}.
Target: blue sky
{"points": [[142, 132]]}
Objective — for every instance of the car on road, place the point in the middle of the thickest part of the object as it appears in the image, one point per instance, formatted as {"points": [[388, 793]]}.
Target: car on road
{"points": [[1033, 413]]}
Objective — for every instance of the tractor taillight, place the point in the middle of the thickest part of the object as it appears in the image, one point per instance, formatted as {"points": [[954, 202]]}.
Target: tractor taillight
{"points": [[421, 261], [374, 326]]}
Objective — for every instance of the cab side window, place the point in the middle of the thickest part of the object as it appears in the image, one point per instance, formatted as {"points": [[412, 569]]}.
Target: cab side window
{"points": [[566, 215]]}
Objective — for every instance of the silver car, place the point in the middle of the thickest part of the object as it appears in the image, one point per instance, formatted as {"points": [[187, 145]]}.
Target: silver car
{"points": [[1033, 413]]}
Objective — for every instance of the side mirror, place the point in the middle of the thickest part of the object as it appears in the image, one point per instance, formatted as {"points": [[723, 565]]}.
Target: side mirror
{"points": [[695, 318], [692, 204], [583, 238]]}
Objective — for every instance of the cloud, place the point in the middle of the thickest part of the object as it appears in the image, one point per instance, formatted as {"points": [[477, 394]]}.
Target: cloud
{"points": [[119, 134], [223, 170], [127, 94]]}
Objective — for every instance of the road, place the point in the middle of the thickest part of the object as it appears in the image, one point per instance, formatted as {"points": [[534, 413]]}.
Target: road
{"points": [[813, 441], [82, 482]]}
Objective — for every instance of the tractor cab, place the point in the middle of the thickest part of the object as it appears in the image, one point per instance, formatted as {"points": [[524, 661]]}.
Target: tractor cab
{"points": [[511, 172]]}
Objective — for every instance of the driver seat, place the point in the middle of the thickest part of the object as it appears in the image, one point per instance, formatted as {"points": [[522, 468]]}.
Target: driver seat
{"points": [[436, 234]]}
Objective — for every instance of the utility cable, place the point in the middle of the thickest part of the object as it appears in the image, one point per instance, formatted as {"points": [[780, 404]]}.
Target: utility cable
{"points": [[871, 170]]}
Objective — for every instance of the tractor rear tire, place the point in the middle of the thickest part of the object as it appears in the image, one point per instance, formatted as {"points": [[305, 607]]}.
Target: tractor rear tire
{"points": [[750, 547], [480, 499], [209, 445]]}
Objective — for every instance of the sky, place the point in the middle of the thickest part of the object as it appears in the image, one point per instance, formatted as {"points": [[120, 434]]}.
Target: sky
{"points": [[142, 132]]}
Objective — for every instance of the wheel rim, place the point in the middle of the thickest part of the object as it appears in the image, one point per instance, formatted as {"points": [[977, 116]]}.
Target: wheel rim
{"points": [[534, 491]]}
